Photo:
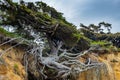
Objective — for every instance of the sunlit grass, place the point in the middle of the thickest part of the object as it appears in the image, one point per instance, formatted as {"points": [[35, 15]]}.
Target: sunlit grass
{"points": [[101, 43]]}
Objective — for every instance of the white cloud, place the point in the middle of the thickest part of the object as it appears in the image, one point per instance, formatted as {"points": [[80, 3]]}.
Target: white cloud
{"points": [[66, 7], [72, 9]]}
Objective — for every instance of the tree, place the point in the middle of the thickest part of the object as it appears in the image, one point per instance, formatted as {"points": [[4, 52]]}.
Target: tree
{"points": [[50, 35], [106, 25], [94, 28], [84, 27]]}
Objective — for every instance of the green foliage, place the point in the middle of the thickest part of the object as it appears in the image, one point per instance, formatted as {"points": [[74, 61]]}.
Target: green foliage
{"points": [[97, 28], [29, 14], [54, 13], [7, 34], [101, 43], [68, 34], [106, 46], [95, 33], [82, 44]]}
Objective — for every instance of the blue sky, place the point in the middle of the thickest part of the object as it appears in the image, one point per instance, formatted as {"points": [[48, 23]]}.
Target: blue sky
{"points": [[88, 11]]}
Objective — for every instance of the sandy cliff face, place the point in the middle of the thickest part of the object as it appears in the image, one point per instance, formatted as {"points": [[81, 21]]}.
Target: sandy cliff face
{"points": [[11, 67], [109, 71]]}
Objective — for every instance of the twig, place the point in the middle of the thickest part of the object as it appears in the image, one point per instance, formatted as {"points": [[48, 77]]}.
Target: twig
{"points": [[10, 48]]}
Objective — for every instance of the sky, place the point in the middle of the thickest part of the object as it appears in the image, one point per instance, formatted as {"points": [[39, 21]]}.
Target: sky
{"points": [[88, 11]]}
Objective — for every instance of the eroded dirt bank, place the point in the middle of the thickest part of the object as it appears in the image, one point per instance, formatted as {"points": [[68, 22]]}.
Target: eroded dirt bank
{"points": [[11, 66]]}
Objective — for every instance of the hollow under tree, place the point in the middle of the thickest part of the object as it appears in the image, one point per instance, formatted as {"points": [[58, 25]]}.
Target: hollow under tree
{"points": [[49, 38]]}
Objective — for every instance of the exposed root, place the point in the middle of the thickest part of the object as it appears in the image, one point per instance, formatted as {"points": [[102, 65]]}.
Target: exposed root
{"points": [[64, 64], [61, 61]]}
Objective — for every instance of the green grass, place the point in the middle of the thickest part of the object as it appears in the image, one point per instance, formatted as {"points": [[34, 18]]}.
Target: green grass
{"points": [[15, 66], [106, 45], [101, 43], [16, 69]]}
